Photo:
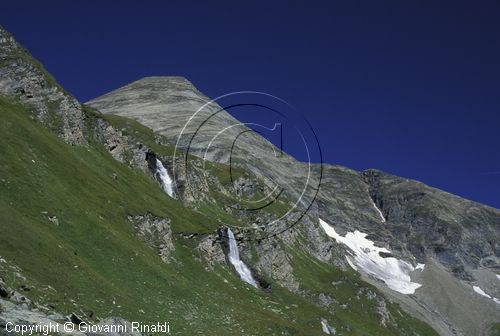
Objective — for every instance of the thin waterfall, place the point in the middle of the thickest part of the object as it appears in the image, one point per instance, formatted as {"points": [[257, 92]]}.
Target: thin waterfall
{"points": [[234, 257], [382, 218], [165, 180]]}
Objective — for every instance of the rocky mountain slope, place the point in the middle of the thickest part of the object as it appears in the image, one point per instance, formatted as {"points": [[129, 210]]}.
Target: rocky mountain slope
{"points": [[90, 231], [418, 224]]}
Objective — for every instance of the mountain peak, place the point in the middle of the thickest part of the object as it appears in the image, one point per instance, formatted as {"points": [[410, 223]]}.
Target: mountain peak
{"points": [[163, 80], [163, 90], [150, 84]]}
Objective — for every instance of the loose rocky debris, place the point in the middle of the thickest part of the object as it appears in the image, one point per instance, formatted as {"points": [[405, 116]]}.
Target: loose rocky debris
{"points": [[22, 315]]}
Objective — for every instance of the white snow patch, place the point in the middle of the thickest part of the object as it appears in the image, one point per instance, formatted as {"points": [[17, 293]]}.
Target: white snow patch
{"points": [[394, 272], [165, 180], [234, 257], [481, 292], [379, 212], [498, 276]]}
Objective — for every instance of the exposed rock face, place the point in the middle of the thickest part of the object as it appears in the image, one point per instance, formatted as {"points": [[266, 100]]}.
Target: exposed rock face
{"points": [[122, 147], [275, 264], [156, 233], [210, 249], [319, 245], [425, 222], [24, 78]]}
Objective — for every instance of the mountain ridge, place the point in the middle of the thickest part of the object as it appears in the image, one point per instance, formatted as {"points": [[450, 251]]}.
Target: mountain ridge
{"points": [[462, 265], [121, 155]]}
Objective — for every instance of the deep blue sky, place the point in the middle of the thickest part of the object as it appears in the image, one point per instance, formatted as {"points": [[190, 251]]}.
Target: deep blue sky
{"points": [[410, 88]]}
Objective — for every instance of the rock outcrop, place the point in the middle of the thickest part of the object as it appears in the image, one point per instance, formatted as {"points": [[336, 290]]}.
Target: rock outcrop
{"points": [[23, 78], [155, 232]]}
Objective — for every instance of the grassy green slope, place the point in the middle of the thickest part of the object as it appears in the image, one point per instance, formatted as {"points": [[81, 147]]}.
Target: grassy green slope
{"points": [[93, 261]]}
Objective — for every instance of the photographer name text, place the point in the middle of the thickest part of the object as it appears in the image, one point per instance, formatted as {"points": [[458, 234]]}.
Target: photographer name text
{"points": [[52, 328]]}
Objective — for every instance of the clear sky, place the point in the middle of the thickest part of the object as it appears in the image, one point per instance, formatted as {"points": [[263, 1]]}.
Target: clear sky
{"points": [[408, 87]]}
